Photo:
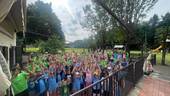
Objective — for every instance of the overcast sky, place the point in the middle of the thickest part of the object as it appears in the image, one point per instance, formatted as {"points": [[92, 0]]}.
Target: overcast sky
{"points": [[70, 13]]}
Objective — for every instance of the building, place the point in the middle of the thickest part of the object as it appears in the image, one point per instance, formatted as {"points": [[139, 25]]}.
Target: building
{"points": [[12, 20]]}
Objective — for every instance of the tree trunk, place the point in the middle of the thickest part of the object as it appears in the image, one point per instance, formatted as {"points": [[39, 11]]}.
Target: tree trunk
{"points": [[163, 55], [142, 50]]}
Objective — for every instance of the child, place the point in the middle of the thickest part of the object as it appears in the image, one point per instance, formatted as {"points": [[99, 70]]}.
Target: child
{"points": [[52, 84], [88, 78], [149, 68], [41, 86], [65, 88], [69, 77], [19, 83], [77, 79], [96, 88], [106, 84]]}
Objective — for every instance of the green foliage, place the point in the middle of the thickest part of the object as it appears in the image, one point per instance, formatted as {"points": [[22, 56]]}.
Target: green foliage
{"points": [[163, 29], [52, 45], [42, 22], [108, 30]]}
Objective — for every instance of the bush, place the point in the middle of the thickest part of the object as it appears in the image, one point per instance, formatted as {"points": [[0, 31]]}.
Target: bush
{"points": [[52, 45]]}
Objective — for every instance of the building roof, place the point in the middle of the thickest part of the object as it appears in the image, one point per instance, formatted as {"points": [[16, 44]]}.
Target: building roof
{"points": [[13, 15]]}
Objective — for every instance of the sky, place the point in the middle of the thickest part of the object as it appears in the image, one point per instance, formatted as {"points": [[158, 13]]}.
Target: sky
{"points": [[70, 12]]}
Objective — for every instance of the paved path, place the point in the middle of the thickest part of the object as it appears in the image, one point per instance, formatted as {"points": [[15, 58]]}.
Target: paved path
{"points": [[154, 87], [156, 84], [162, 72]]}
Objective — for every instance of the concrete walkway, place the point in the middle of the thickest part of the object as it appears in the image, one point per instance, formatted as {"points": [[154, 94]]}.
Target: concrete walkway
{"points": [[156, 84]]}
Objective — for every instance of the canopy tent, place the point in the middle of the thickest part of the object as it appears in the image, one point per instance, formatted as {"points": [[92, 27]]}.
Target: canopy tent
{"points": [[13, 11]]}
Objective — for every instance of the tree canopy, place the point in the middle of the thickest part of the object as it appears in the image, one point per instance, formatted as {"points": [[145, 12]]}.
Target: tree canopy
{"points": [[130, 12], [43, 28], [42, 22]]}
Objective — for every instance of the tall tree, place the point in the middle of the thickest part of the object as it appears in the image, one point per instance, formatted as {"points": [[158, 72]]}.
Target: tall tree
{"points": [[124, 14], [42, 22], [153, 24]]}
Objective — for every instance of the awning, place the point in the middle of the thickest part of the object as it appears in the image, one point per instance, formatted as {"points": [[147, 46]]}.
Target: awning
{"points": [[13, 15], [5, 8]]}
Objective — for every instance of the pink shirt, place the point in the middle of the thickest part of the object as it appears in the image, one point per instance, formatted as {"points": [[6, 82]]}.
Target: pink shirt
{"points": [[88, 76]]}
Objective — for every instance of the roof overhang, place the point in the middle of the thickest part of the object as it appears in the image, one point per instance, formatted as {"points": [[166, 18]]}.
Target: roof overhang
{"points": [[13, 15]]}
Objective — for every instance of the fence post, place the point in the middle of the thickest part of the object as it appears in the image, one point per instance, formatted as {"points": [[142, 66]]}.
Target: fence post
{"points": [[134, 77], [111, 85]]}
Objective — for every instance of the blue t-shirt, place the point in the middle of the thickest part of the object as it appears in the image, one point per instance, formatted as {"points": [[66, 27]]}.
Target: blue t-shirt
{"points": [[77, 83], [52, 84], [115, 55], [58, 77], [95, 79], [41, 86]]}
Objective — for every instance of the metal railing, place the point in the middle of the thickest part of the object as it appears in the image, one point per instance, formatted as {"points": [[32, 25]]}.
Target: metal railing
{"points": [[119, 83]]}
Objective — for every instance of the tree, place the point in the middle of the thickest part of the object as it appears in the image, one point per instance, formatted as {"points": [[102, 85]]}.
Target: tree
{"points": [[123, 14], [42, 22], [153, 24], [143, 29], [52, 45]]}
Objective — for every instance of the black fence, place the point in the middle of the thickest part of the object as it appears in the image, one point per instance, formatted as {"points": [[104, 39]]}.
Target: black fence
{"points": [[119, 83]]}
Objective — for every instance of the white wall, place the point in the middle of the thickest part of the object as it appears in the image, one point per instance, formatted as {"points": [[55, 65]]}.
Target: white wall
{"points": [[7, 41]]}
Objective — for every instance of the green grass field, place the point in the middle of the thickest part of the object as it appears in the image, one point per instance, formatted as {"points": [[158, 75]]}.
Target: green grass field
{"points": [[77, 50], [158, 57], [134, 53]]}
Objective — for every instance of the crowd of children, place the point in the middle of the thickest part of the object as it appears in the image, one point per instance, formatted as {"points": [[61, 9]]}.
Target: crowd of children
{"points": [[61, 75]]}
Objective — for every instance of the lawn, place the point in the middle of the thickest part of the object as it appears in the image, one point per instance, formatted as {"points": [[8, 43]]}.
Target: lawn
{"points": [[77, 50], [158, 57], [134, 53]]}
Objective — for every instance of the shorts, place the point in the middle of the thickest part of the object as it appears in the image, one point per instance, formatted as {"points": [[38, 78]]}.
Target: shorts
{"points": [[96, 91]]}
